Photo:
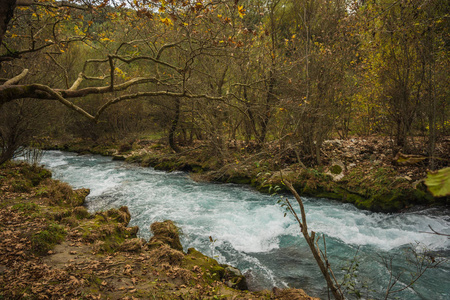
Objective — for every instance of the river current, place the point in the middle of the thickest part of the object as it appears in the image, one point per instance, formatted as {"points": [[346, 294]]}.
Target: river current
{"points": [[249, 229]]}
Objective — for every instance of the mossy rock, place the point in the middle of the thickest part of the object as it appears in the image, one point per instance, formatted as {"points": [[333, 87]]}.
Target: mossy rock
{"points": [[234, 278], [336, 169], [167, 233], [209, 267], [213, 271], [79, 197], [110, 228], [121, 215]]}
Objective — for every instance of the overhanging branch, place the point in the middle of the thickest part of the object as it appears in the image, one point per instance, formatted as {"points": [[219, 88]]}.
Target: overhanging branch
{"points": [[17, 78], [9, 93]]}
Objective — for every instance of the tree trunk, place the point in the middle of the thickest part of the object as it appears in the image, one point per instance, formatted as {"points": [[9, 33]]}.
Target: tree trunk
{"points": [[173, 127], [6, 13], [264, 122]]}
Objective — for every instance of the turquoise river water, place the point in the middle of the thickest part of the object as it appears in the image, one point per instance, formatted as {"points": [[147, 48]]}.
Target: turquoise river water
{"points": [[250, 231]]}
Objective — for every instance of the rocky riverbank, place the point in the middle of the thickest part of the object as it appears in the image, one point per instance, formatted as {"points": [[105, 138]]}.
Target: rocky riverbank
{"points": [[53, 248], [362, 171]]}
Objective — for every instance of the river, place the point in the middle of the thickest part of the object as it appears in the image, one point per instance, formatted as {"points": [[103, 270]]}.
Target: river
{"points": [[249, 229]]}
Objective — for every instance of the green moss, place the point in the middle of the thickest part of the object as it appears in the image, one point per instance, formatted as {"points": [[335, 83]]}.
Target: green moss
{"points": [[239, 179], [46, 239], [34, 174], [26, 207], [210, 268], [336, 169], [107, 229], [21, 186], [80, 212]]}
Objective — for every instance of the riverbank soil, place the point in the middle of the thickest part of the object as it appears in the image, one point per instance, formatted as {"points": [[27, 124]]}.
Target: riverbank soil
{"points": [[366, 171], [53, 248]]}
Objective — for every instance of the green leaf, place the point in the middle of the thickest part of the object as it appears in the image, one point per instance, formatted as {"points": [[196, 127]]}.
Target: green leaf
{"points": [[438, 182]]}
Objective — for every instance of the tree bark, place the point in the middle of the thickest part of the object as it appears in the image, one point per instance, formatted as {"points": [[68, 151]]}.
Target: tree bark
{"points": [[6, 13], [173, 127]]}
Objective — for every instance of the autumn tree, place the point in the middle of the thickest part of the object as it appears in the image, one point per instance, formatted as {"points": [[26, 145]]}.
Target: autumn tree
{"points": [[404, 49], [153, 53]]}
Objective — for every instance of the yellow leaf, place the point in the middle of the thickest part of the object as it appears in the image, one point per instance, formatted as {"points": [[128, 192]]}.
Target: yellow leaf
{"points": [[166, 21], [241, 11]]}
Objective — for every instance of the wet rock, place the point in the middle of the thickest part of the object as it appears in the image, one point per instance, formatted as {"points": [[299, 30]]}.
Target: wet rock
{"points": [[233, 271], [234, 278]]}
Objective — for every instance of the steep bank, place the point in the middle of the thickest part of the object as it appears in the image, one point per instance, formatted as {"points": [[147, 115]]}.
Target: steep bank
{"points": [[52, 247], [364, 172]]}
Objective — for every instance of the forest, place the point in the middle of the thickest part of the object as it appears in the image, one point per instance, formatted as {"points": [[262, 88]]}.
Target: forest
{"points": [[255, 73], [345, 99]]}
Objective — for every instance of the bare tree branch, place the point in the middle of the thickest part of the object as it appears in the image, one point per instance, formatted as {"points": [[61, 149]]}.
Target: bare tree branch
{"points": [[13, 92], [58, 4], [435, 232], [321, 260], [77, 82], [130, 60], [17, 78], [67, 103]]}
